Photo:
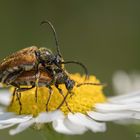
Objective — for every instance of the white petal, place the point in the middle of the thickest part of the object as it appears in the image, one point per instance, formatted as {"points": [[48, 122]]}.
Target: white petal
{"points": [[83, 120], [74, 127], [13, 119], [49, 117], [109, 107], [127, 100], [6, 126], [122, 82], [59, 126], [21, 127], [122, 98], [5, 97], [113, 116]]}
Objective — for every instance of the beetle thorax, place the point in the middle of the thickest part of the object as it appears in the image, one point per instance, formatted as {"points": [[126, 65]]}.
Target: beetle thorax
{"points": [[45, 55]]}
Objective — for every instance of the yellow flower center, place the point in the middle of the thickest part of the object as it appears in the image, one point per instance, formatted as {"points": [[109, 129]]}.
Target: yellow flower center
{"points": [[82, 99]]}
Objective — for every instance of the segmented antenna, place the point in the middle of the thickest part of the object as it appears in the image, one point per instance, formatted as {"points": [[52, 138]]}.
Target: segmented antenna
{"points": [[95, 84], [55, 35], [78, 63]]}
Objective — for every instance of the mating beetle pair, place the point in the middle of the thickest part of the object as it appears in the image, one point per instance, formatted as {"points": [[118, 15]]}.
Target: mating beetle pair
{"points": [[37, 67]]}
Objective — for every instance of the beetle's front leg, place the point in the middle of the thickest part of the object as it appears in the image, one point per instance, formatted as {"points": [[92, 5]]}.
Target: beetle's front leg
{"points": [[49, 97], [64, 98]]}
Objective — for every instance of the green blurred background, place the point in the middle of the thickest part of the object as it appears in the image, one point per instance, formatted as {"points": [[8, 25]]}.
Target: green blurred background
{"points": [[104, 35]]}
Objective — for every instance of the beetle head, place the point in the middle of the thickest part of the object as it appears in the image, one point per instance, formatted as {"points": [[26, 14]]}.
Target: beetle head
{"points": [[69, 84]]}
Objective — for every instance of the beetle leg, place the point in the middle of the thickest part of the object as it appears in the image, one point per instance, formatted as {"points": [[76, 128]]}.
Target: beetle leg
{"points": [[25, 89], [64, 98], [18, 95], [20, 104], [49, 97], [14, 92], [37, 75], [13, 96], [19, 89]]}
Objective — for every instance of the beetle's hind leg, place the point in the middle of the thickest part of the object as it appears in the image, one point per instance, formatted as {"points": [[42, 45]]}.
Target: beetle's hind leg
{"points": [[18, 98], [17, 92]]}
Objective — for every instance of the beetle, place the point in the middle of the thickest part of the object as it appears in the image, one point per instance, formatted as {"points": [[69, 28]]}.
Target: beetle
{"points": [[30, 59], [27, 78], [16, 66]]}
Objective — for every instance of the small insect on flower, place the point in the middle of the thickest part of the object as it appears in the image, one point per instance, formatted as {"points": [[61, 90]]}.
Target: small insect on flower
{"points": [[35, 67]]}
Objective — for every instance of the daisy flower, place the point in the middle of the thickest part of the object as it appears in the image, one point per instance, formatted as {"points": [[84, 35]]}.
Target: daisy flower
{"points": [[86, 109]]}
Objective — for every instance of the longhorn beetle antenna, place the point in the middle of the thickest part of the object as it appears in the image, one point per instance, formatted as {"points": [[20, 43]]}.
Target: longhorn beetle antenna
{"points": [[78, 63], [94, 84], [55, 35], [58, 48]]}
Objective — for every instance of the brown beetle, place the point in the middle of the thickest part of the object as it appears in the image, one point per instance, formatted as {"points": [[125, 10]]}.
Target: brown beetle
{"points": [[27, 64], [28, 79]]}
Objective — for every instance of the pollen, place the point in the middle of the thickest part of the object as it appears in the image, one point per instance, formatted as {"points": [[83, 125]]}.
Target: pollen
{"points": [[81, 99]]}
